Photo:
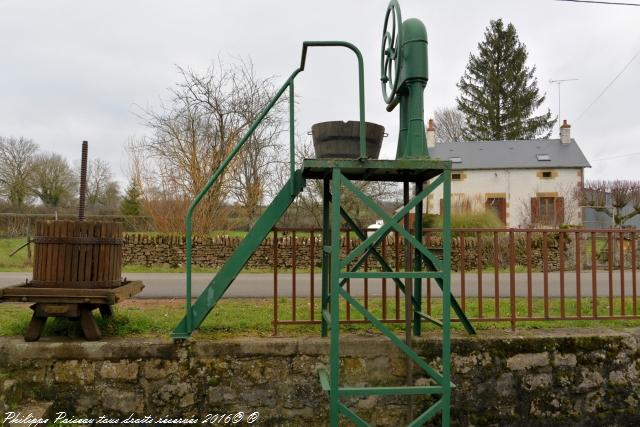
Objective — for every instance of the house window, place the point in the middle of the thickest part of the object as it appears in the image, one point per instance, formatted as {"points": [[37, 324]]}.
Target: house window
{"points": [[547, 211], [548, 174], [456, 176], [499, 206]]}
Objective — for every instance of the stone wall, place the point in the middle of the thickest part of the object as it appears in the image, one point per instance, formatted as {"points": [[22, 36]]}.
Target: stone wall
{"points": [[212, 252], [535, 378]]}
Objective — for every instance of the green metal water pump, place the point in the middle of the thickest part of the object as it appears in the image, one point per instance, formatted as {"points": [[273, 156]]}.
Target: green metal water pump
{"points": [[404, 76]]}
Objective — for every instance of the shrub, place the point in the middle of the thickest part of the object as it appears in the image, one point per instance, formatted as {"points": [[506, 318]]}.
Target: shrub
{"points": [[486, 219]]}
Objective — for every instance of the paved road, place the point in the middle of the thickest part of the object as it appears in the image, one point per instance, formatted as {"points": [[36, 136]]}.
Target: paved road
{"points": [[260, 285]]}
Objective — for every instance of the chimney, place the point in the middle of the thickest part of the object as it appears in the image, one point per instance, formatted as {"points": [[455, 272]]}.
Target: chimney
{"points": [[431, 134], [565, 133]]}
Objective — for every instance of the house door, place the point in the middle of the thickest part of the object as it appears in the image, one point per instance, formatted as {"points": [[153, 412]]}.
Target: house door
{"points": [[499, 206]]}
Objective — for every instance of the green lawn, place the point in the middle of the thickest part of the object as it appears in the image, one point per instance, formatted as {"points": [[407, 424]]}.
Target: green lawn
{"points": [[252, 317], [19, 261]]}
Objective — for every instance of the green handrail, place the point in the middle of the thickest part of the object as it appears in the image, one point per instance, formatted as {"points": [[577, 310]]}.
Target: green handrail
{"points": [[354, 49], [218, 172]]}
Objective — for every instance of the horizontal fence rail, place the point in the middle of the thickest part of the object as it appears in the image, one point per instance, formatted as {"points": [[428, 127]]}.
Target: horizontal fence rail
{"points": [[498, 275]]}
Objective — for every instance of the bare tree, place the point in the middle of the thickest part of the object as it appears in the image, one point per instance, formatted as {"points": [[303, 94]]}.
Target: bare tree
{"points": [[16, 160], [618, 199], [450, 123], [103, 193], [53, 180], [196, 128], [252, 172]]}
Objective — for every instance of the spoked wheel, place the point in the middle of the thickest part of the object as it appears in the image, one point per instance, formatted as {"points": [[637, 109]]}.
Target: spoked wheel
{"points": [[391, 51]]}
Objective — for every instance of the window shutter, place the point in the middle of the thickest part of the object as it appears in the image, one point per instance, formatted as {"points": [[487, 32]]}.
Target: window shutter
{"points": [[535, 210], [559, 208]]}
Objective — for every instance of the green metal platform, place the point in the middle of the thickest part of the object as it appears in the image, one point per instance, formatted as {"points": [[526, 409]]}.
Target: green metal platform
{"points": [[411, 170]]}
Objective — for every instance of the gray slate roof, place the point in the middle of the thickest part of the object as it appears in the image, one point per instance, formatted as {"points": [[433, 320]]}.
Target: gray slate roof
{"points": [[511, 154]]}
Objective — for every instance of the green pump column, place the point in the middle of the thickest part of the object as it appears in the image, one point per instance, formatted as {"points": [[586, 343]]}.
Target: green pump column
{"points": [[412, 141], [417, 137]]}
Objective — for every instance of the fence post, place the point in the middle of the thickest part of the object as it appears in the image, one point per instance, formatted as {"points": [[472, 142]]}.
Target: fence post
{"points": [[594, 277], [622, 293], [578, 276], [275, 281], [461, 252], [312, 256], [561, 255], [545, 273], [633, 272], [529, 281], [512, 276], [496, 275], [610, 267], [479, 264], [293, 275]]}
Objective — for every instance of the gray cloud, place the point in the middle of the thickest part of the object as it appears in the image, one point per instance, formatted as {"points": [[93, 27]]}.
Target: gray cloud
{"points": [[75, 70]]}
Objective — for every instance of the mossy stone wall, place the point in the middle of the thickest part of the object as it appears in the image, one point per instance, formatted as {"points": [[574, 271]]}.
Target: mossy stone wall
{"points": [[214, 251], [535, 378]]}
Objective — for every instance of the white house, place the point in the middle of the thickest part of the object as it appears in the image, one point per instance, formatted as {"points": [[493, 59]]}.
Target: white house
{"points": [[530, 182]]}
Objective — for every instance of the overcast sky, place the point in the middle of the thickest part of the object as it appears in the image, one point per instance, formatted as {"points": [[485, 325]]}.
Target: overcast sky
{"points": [[74, 70]]}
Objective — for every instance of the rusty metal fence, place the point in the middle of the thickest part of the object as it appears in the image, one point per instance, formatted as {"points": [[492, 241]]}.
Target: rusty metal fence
{"points": [[499, 275]]}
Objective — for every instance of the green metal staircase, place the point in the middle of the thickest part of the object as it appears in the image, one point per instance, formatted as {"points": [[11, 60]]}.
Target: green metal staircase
{"points": [[236, 262], [198, 311]]}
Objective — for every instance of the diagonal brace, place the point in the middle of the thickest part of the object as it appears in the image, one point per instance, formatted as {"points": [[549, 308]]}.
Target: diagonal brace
{"points": [[437, 377], [428, 261], [372, 250], [391, 222], [454, 303]]}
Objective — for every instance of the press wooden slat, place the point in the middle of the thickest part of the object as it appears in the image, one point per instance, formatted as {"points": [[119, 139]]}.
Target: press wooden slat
{"points": [[96, 253], [88, 263], [68, 254], [76, 252], [103, 256], [75, 261], [61, 229], [120, 249], [110, 252], [37, 251]]}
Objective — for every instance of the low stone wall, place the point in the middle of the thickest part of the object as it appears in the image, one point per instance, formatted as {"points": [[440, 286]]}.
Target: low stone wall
{"points": [[539, 378], [213, 252]]}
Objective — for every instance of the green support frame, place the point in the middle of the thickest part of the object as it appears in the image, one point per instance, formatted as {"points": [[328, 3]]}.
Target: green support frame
{"points": [[412, 166], [337, 177]]}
